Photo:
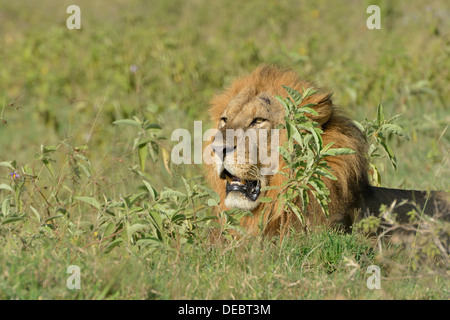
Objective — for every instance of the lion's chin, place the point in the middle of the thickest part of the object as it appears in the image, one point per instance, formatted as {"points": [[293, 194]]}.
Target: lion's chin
{"points": [[237, 200]]}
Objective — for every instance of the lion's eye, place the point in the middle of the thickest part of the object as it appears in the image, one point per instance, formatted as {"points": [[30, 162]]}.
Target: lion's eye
{"points": [[257, 121]]}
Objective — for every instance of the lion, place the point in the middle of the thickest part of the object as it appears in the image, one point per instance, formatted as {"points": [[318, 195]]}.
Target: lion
{"points": [[250, 103]]}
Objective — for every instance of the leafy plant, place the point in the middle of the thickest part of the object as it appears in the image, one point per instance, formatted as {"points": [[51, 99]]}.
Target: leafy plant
{"points": [[304, 154], [170, 219], [147, 140], [378, 132]]}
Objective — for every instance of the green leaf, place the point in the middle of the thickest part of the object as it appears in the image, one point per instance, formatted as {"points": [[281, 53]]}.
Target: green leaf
{"points": [[6, 187], [328, 146], [36, 213], [154, 242], [372, 149], [48, 149], [309, 92], [188, 187], [265, 199], [49, 166], [128, 122], [214, 195], [53, 218], [168, 193], [325, 173], [320, 193], [6, 206], [156, 219], [387, 149], [142, 151], [135, 228], [12, 219], [212, 203], [337, 152], [319, 186], [308, 110], [150, 189], [85, 170], [295, 95], [390, 154], [152, 126], [295, 134], [305, 126], [283, 151], [109, 230], [317, 138], [6, 164], [113, 244], [295, 210], [395, 129], [283, 103], [178, 217], [358, 125], [380, 115], [394, 118], [89, 200]]}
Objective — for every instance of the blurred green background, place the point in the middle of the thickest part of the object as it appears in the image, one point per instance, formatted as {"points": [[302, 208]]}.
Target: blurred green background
{"points": [[164, 60]]}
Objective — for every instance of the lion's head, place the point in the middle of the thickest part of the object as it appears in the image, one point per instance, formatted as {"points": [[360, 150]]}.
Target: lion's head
{"points": [[244, 160]]}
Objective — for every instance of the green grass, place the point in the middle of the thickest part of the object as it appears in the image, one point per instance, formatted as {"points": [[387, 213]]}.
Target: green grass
{"points": [[62, 89], [322, 265]]}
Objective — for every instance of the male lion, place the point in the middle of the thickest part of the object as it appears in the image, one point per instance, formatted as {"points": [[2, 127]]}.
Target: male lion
{"points": [[250, 103]]}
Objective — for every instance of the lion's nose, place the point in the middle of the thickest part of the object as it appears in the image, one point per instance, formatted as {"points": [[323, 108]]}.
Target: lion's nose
{"points": [[223, 151]]}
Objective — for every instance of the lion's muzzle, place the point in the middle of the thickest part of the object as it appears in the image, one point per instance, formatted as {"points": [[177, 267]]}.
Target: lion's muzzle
{"points": [[250, 188]]}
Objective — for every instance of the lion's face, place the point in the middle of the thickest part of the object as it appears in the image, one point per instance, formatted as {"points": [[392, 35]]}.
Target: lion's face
{"points": [[244, 163], [244, 148]]}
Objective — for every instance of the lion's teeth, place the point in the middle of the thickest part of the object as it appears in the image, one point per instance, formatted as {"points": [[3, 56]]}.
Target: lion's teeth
{"points": [[235, 180]]}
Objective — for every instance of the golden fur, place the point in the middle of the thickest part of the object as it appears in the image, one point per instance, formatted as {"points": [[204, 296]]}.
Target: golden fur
{"points": [[252, 97]]}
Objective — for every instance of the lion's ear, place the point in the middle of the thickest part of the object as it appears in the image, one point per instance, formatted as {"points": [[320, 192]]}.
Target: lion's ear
{"points": [[324, 107]]}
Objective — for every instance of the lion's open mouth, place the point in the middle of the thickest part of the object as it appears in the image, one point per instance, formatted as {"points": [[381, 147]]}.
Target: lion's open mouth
{"points": [[250, 188]]}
